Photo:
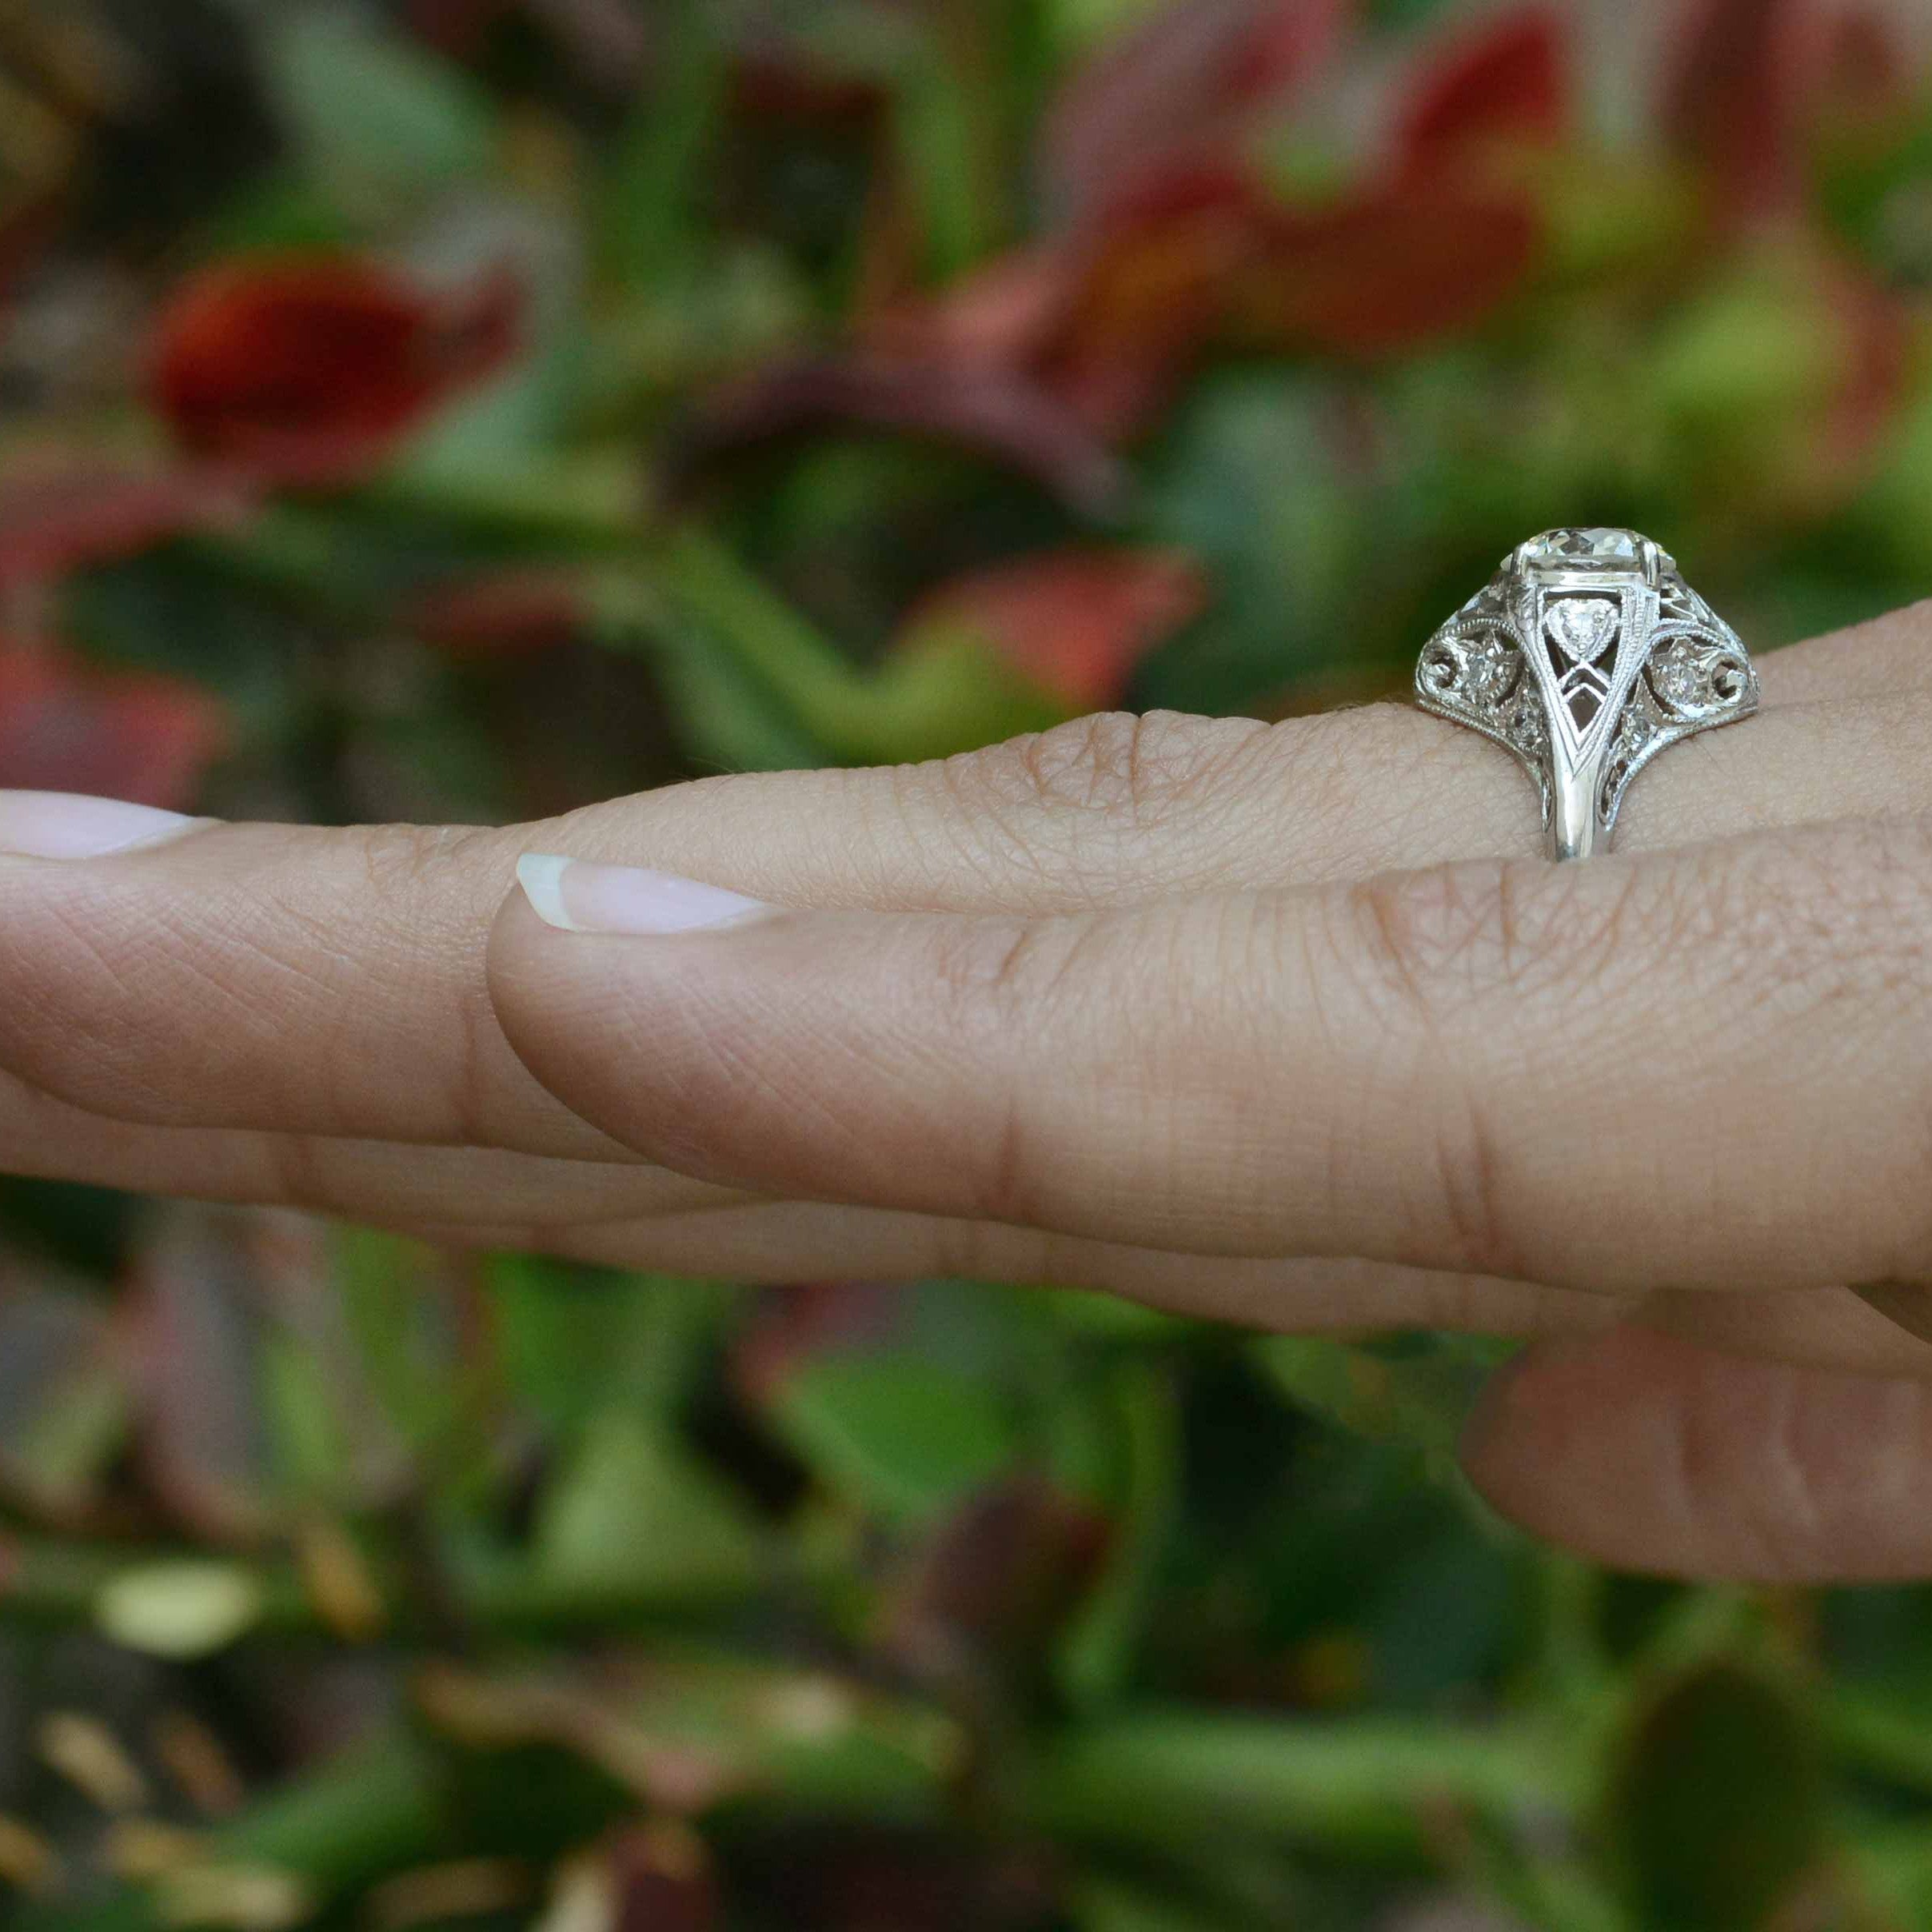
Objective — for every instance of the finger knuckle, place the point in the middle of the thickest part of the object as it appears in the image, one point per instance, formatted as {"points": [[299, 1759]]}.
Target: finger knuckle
{"points": [[1000, 982], [1001, 974], [1431, 937], [1452, 956], [1128, 769], [415, 866]]}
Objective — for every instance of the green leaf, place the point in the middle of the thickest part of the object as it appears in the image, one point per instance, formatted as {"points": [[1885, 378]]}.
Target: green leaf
{"points": [[1176, 1777], [576, 1341], [377, 119], [635, 1514], [307, 1410], [1417, 1399], [649, 221], [896, 1434], [1104, 1905], [1110, 1317], [1871, 177], [1254, 486], [726, 714], [1405, 14], [1079, 28], [1717, 1813], [179, 1611], [423, 1362], [1096, 1654], [63, 1402], [941, 125]]}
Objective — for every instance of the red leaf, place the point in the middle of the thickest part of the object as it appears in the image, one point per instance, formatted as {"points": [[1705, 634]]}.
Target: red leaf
{"points": [[996, 1581], [505, 614], [1878, 372], [1399, 266], [27, 228], [1866, 70], [794, 1325], [1006, 313], [459, 28], [137, 735], [1000, 412], [1509, 83], [1155, 291], [1076, 623], [1731, 96], [1176, 92], [664, 1880], [310, 369], [54, 523], [192, 1324]]}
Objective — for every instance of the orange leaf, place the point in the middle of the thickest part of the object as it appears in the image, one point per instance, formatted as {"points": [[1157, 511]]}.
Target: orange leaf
{"points": [[1396, 267], [1075, 623], [1176, 94], [1002, 414], [310, 369], [501, 614], [131, 735], [1731, 96], [52, 523], [1156, 293], [1509, 83]]}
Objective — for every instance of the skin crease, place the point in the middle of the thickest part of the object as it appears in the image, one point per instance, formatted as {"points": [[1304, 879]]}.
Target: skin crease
{"points": [[1281, 1024]]}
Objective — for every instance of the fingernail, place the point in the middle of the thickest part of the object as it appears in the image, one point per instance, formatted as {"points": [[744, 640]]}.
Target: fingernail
{"points": [[66, 825], [575, 896]]}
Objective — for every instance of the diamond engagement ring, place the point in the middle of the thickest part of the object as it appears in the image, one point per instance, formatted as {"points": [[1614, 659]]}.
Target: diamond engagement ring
{"points": [[1586, 655]]}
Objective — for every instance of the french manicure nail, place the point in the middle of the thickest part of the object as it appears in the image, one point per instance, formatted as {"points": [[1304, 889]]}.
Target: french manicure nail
{"points": [[67, 825], [575, 896]]}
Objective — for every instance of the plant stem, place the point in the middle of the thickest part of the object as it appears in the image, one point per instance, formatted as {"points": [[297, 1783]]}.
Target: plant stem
{"points": [[45, 1581]]}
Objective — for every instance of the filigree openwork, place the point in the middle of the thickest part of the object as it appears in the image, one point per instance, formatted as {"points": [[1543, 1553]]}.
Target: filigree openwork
{"points": [[1585, 655]]}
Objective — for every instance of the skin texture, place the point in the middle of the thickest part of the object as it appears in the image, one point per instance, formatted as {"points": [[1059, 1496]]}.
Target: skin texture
{"points": [[1286, 1024]]}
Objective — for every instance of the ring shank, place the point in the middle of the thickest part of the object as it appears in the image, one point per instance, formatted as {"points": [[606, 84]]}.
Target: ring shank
{"points": [[1573, 817]]}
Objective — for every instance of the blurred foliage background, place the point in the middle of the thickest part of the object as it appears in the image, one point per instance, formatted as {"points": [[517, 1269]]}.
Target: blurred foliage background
{"points": [[467, 409]]}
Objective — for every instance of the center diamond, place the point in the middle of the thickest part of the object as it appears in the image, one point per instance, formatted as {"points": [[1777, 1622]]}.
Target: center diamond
{"points": [[1583, 627], [1616, 552]]}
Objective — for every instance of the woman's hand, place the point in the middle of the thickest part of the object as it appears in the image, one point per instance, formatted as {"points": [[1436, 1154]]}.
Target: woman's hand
{"points": [[1259, 1021]]}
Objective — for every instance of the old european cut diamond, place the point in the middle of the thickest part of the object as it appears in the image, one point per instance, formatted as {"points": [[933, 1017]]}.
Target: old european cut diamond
{"points": [[1613, 551]]}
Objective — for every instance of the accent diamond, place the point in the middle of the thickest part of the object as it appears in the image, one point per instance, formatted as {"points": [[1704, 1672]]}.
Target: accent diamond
{"points": [[1582, 627], [1489, 670], [1681, 676]]}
